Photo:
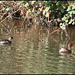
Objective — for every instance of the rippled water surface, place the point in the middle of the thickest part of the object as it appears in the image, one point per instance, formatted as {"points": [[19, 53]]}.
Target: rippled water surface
{"points": [[32, 52]]}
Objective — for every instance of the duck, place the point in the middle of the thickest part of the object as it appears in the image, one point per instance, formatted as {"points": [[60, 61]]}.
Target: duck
{"points": [[6, 41], [66, 50]]}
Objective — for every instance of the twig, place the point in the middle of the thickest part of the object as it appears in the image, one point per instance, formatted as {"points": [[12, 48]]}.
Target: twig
{"points": [[8, 16], [4, 19], [54, 31]]}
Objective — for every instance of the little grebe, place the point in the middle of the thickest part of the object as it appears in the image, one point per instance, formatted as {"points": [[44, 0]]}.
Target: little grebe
{"points": [[66, 50], [6, 41]]}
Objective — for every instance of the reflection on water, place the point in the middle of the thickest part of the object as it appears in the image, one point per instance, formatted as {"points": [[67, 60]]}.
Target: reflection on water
{"points": [[36, 52]]}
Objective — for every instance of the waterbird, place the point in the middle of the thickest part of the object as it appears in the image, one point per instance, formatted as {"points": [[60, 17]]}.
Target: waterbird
{"points": [[66, 50], [6, 41]]}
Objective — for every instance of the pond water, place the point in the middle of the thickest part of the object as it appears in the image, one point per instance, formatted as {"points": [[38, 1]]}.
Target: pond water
{"points": [[36, 52]]}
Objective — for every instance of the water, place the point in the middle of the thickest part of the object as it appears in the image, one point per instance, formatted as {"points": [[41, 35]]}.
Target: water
{"points": [[36, 52]]}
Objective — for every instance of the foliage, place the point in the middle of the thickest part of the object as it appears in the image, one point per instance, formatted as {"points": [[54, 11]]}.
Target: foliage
{"points": [[69, 17], [64, 10]]}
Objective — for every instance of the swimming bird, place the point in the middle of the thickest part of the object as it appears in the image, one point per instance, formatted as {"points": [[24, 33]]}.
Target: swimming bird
{"points": [[6, 41], [66, 50]]}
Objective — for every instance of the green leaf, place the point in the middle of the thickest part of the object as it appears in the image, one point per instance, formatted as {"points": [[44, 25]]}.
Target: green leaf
{"points": [[70, 12], [26, 4], [7, 9], [35, 15], [48, 3], [62, 10], [58, 3], [73, 12], [70, 15], [73, 7], [59, 13], [32, 2], [71, 21], [64, 7], [66, 20], [66, 14], [69, 8]]}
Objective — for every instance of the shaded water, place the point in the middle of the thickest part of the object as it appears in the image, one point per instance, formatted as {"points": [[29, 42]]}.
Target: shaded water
{"points": [[36, 52]]}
